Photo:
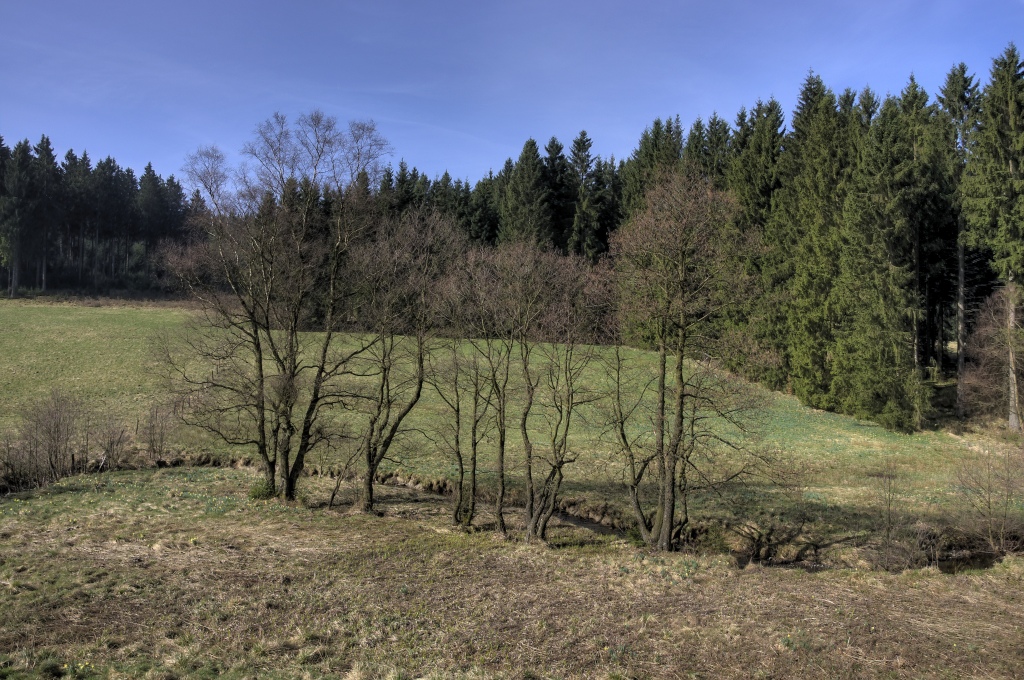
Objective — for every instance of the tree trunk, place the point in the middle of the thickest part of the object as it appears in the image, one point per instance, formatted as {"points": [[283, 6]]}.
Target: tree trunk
{"points": [[550, 511], [524, 432], [42, 259], [668, 503], [270, 473], [961, 319], [499, 502], [467, 518], [460, 493], [15, 265], [1011, 327], [667, 481], [366, 501]]}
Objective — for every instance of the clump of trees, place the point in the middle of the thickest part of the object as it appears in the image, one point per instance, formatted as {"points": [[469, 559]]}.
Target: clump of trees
{"points": [[74, 225], [325, 315]]}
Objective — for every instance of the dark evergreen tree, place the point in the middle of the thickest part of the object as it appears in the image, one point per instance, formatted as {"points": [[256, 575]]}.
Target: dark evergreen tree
{"points": [[561, 193], [584, 238], [960, 108], [176, 204], [443, 196], [707, 149], [608, 201], [695, 155], [485, 205], [46, 217], [752, 174], [873, 367], [930, 228], [79, 211], [660, 150], [523, 212], [752, 178], [719, 150], [18, 204], [152, 205], [114, 190], [803, 237]]}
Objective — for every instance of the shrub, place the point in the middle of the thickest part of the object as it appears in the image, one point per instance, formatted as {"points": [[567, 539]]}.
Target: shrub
{"points": [[262, 490]]}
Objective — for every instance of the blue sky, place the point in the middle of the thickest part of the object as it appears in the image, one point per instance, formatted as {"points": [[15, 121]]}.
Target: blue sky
{"points": [[453, 85]]}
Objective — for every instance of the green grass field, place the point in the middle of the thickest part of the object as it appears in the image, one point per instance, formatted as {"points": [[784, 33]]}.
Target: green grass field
{"points": [[175, 573], [103, 354]]}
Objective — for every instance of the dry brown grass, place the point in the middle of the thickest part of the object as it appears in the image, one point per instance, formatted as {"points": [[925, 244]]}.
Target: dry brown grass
{"points": [[174, 573]]}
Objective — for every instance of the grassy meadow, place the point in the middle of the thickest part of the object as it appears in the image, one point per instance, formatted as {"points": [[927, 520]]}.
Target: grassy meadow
{"points": [[103, 354], [175, 573], [100, 352]]}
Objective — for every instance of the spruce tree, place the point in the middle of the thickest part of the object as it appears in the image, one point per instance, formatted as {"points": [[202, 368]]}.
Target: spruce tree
{"points": [[561, 193], [582, 238], [695, 155], [804, 231], [874, 373], [524, 213], [659, 150], [931, 230], [719, 150], [16, 207], [752, 173], [483, 210], [608, 189], [79, 208], [152, 205], [960, 107], [46, 217], [752, 178]]}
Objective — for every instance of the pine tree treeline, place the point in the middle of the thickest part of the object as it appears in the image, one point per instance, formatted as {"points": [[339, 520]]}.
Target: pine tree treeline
{"points": [[75, 225], [878, 218], [883, 223]]}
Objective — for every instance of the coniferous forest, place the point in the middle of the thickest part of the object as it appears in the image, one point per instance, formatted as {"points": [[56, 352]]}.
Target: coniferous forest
{"points": [[880, 230]]}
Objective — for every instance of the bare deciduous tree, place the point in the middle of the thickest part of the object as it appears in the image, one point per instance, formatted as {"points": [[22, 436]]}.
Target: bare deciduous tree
{"points": [[491, 341], [399, 274], [316, 148], [113, 438], [993, 377], [525, 286], [50, 443], [271, 262], [365, 148], [992, 485], [570, 325], [458, 376], [245, 368], [207, 171], [689, 420]]}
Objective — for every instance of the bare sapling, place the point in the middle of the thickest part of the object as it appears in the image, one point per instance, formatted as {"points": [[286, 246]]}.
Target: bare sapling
{"points": [[570, 325], [991, 485], [490, 338], [399, 274]]}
